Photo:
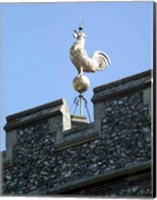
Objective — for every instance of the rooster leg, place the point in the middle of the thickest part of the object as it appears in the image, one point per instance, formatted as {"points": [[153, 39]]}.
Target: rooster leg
{"points": [[80, 71]]}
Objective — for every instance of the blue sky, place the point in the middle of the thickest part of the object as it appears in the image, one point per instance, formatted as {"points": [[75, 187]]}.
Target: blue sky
{"points": [[36, 39]]}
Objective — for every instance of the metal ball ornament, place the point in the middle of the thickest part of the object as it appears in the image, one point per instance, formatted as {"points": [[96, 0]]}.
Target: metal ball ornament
{"points": [[81, 83]]}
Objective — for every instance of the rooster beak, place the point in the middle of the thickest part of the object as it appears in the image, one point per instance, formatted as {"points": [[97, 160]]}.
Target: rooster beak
{"points": [[75, 34]]}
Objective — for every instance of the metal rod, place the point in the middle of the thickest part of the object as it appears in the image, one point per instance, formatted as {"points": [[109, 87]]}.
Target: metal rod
{"points": [[77, 100], [87, 110], [81, 104], [74, 102]]}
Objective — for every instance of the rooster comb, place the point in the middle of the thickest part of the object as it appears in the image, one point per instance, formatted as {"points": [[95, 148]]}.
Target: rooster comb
{"points": [[80, 28]]}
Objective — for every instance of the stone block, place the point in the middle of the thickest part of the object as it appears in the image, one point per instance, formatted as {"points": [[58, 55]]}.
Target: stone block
{"points": [[11, 141], [147, 99]]}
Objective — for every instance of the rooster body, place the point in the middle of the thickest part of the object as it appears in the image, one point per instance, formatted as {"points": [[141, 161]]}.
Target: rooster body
{"points": [[80, 59]]}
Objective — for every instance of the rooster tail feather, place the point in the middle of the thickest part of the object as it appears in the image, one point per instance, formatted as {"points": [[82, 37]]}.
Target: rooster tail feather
{"points": [[101, 59]]}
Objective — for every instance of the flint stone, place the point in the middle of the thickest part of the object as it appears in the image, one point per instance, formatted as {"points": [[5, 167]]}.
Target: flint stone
{"points": [[67, 174]]}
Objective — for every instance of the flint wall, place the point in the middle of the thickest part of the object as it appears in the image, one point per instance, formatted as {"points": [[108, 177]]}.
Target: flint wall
{"points": [[49, 153]]}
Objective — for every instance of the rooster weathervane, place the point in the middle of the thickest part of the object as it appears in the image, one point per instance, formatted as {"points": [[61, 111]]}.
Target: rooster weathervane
{"points": [[83, 63]]}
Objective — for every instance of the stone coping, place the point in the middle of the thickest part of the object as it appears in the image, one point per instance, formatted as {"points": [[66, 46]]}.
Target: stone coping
{"points": [[77, 129], [122, 86], [35, 114], [116, 88], [135, 169], [77, 135], [78, 118]]}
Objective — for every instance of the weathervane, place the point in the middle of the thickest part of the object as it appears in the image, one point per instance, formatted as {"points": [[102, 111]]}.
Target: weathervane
{"points": [[83, 63]]}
